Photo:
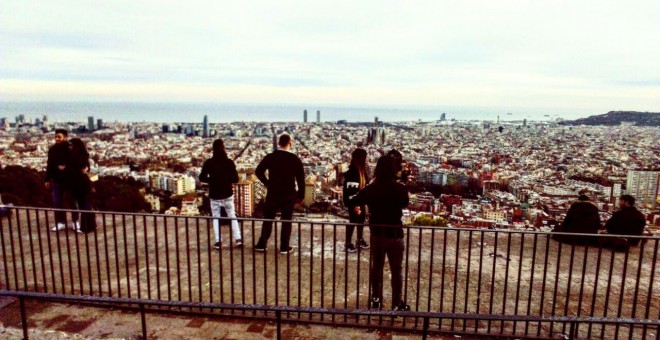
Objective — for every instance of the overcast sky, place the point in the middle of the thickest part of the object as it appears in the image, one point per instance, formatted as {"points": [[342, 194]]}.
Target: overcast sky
{"points": [[591, 55]]}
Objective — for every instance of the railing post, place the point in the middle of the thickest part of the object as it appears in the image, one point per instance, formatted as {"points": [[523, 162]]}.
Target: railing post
{"points": [[144, 321], [21, 303], [425, 327], [571, 334], [278, 313]]}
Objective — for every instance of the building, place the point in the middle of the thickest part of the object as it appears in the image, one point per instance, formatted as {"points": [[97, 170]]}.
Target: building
{"points": [[443, 116], [205, 127], [189, 206], [244, 198], [99, 124], [643, 185], [90, 123], [154, 201], [318, 117], [305, 116], [177, 184], [259, 190], [310, 194]]}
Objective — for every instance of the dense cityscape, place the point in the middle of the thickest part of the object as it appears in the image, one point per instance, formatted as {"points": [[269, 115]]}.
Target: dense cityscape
{"points": [[487, 174]]}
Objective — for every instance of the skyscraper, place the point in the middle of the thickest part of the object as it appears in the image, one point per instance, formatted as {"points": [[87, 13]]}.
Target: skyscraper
{"points": [[305, 116], [90, 123], [318, 117], [99, 124], [443, 116], [205, 134], [643, 185]]}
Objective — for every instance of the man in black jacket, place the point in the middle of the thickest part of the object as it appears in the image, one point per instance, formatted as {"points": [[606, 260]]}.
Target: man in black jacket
{"points": [[627, 220], [58, 155], [220, 173], [285, 171]]}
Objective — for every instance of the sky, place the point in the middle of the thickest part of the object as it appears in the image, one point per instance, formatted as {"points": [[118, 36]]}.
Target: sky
{"points": [[594, 56]]}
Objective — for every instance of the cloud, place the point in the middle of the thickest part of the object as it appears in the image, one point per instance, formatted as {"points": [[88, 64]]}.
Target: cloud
{"points": [[466, 52]]}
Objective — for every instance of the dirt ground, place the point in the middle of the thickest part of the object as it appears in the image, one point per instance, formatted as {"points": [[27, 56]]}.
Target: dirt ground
{"points": [[448, 270]]}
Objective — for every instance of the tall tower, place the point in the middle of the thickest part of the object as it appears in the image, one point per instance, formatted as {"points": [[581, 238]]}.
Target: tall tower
{"points": [[643, 185], [99, 124], [206, 127], [443, 116], [305, 116], [90, 123], [318, 117]]}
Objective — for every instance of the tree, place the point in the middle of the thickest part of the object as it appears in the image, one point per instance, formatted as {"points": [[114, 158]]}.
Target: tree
{"points": [[24, 186], [425, 220]]}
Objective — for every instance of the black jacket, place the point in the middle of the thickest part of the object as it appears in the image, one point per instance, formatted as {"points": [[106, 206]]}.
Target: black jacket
{"points": [[76, 179], [386, 200], [582, 217], [220, 174], [284, 171], [627, 221], [58, 154], [351, 184]]}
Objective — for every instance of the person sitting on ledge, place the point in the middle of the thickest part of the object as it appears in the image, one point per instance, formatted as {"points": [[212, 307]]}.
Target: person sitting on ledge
{"points": [[626, 221], [582, 218]]}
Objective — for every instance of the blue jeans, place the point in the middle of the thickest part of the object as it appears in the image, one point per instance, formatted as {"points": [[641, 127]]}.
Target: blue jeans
{"points": [[228, 205]]}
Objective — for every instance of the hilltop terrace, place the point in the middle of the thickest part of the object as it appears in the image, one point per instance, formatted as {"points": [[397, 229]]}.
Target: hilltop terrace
{"points": [[457, 281]]}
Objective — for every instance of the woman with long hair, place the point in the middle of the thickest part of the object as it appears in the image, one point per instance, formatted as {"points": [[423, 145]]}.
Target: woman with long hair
{"points": [[220, 173], [386, 199], [354, 180], [80, 185]]}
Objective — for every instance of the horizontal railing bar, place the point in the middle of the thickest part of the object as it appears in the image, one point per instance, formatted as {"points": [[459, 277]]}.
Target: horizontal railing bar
{"points": [[248, 219], [361, 312]]}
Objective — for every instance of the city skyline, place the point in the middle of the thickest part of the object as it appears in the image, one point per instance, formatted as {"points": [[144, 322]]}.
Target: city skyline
{"points": [[505, 56]]}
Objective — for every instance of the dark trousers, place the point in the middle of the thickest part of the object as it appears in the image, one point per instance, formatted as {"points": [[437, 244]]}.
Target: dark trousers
{"points": [[393, 248], [355, 218], [81, 200], [273, 205], [57, 192]]}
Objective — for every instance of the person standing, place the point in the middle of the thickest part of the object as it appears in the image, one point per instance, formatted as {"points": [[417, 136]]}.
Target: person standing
{"points": [[386, 199], [354, 180], [627, 220], [56, 176], [220, 173], [77, 170], [285, 171]]}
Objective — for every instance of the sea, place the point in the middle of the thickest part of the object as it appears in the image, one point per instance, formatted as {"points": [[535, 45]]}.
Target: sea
{"points": [[168, 112]]}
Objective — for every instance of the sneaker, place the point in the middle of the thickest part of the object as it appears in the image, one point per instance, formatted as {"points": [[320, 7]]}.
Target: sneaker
{"points": [[58, 227], [401, 307], [259, 248], [376, 303], [216, 245], [286, 251], [350, 248], [75, 226], [238, 243], [363, 244]]}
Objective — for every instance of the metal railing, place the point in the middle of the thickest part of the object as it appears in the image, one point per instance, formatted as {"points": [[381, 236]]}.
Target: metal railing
{"points": [[509, 283]]}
